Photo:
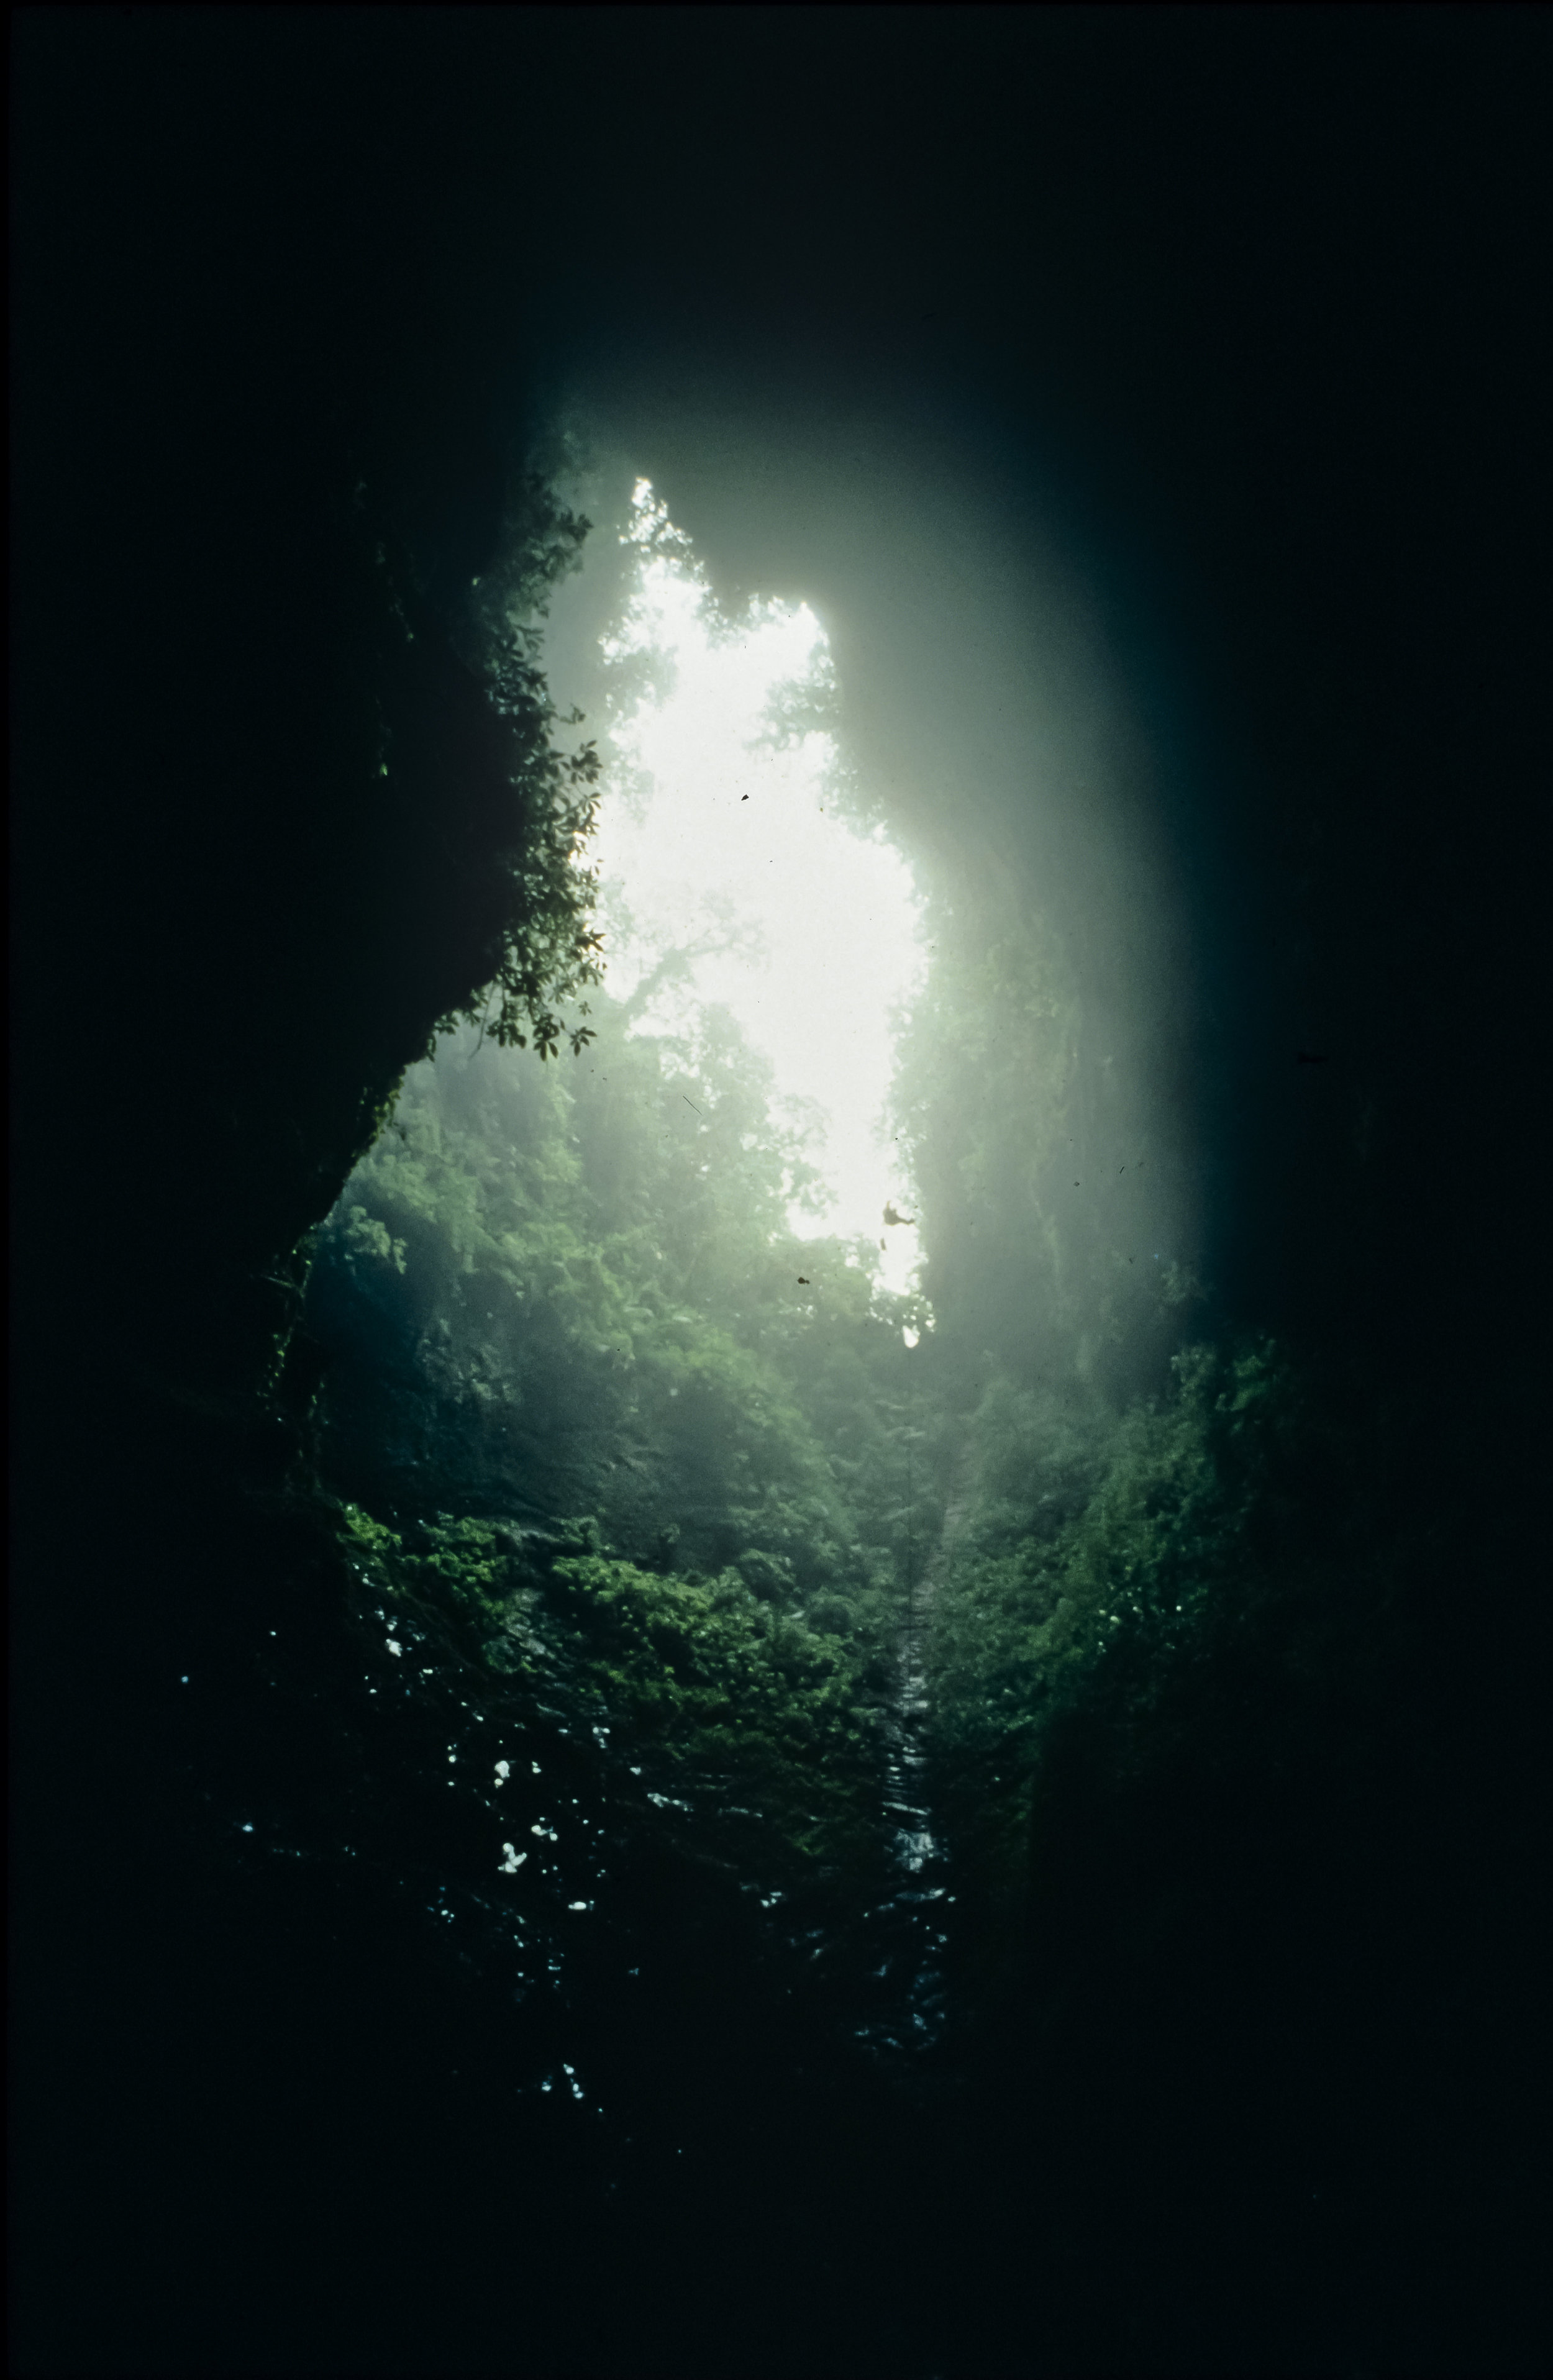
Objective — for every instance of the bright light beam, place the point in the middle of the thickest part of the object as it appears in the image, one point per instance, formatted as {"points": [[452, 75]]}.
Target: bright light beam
{"points": [[720, 825]]}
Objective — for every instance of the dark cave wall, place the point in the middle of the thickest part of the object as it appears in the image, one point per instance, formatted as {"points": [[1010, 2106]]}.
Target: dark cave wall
{"points": [[1256, 364], [259, 850], [1266, 288]]}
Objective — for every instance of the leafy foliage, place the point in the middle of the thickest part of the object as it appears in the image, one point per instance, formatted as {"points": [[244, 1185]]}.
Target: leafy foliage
{"points": [[984, 1100], [1158, 1586], [751, 1725], [1043, 1207], [601, 1308], [549, 949], [546, 1294]]}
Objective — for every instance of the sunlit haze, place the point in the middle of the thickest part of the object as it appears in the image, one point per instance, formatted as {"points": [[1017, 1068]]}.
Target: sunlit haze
{"points": [[713, 839]]}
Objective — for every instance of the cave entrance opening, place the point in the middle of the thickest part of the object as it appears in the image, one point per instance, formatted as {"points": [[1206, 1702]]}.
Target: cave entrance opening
{"points": [[740, 870]]}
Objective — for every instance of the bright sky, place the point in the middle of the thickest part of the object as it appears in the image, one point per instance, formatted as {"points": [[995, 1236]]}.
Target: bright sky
{"points": [[718, 832]]}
